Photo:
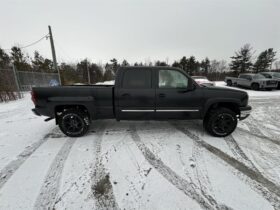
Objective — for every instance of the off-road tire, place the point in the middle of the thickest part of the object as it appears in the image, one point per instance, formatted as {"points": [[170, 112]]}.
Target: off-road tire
{"points": [[78, 118], [229, 83], [214, 115], [255, 86]]}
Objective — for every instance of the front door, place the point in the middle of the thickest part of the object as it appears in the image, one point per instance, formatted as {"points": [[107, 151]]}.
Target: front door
{"points": [[136, 96], [174, 98]]}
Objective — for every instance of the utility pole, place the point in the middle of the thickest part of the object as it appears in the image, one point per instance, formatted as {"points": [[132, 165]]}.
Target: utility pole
{"points": [[16, 80], [88, 73], [53, 54]]}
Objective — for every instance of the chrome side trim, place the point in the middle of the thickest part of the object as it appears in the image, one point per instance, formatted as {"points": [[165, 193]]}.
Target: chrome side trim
{"points": [[177, 110], [160, 110], [138, 110]]}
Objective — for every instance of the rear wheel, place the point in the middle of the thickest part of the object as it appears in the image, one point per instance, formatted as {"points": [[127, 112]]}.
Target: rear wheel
{"points": [[220, 122], [255, 86], [73, 123], [229, 83]]}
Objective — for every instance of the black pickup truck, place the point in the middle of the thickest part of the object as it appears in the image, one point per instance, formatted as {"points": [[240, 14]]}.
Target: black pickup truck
{"points": [[142, 93]]}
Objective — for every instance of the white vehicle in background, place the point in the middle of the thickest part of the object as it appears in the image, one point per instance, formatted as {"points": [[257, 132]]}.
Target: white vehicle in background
{"points": [[253, 81], [201, 80], [272, 75]]}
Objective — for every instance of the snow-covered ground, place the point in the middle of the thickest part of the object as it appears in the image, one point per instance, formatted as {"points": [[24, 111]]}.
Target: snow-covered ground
{"points": [[140, 165]]}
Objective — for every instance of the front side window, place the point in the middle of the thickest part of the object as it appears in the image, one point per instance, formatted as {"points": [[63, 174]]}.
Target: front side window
{"points": [[172, 79], [134, 79], [267, 75], [259, 76], [248, 77]]}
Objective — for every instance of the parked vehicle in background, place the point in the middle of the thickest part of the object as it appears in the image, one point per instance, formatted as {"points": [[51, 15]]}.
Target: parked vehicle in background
{"points": [[201, 80], [272, 75], [143, 93], [253, 81]]}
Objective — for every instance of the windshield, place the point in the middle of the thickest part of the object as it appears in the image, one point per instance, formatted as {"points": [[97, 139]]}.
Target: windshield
{"points": [[276, 74], [259, 76]]}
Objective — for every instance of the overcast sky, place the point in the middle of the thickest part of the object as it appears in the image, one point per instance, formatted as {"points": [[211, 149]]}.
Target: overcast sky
{"points": [[140, 30]]}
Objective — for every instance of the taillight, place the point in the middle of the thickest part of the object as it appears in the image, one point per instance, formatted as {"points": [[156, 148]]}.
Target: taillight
{"points": [[33, 97]]}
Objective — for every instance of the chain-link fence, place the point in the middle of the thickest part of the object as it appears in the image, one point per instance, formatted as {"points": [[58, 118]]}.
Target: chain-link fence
{"points": [[12, 82], [27, 80], [8, 85]]}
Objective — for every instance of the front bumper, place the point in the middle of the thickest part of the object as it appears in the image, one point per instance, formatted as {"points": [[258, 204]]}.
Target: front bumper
{"points": [[245, 112]]}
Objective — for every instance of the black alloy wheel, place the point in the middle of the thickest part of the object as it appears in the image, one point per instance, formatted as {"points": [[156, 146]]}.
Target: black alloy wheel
{"points": [[223, 124], [74, 123], [220, 122]]}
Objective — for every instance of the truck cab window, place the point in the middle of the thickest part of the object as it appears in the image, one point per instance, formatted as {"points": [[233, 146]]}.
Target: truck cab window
{"points": [[134, 79], [172, 79]]}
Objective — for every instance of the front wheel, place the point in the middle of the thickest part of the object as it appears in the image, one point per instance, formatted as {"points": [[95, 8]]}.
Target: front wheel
{"points": [[255, 86], [73, 123], [220, 122], [229, 83]]}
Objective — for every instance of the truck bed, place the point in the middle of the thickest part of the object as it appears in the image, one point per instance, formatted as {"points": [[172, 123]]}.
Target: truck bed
{"points": [[96, 98]]}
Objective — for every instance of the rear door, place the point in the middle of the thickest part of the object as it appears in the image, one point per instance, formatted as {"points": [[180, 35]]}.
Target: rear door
{"points": [[242, 80], [174, 98], [136, 95]]}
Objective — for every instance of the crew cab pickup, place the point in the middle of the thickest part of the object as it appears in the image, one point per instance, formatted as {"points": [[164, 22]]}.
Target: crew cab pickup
{"points": [[142, 93], [253, 81]]}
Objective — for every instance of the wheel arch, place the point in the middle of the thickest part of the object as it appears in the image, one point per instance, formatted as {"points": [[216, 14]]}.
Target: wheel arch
{"points": [[230, 104], [62, 107]]}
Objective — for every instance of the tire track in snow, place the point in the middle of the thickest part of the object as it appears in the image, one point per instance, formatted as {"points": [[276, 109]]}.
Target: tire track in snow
{"points": [[10, 169], [102, 189], [239, 153], [255, 131], [200, 171], [269, 190], [188, 188], [49, 191]]}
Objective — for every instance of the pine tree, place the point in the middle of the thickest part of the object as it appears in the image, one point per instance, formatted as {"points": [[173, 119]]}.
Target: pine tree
{"points": [[42, 64], [241, 62], [264, 60], [19, 59], [160, 63], [176, 64], [82, 69], [114, 65], [125, 63], [96, 74], [4, 59], [108, 75], [205, 66], [192, 65], [183, 63]]}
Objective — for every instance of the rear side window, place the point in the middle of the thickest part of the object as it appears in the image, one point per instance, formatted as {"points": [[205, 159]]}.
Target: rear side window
{"points": [[134, 79]]}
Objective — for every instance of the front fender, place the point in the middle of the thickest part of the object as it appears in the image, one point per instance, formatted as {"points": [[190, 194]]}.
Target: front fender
{"points": [[213, 101]]}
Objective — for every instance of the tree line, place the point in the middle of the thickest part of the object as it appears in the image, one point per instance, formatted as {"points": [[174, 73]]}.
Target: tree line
{"points": [[86, 71]]}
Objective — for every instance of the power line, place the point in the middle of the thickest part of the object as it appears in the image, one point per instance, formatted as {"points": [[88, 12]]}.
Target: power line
{"points": [[33, 43]]}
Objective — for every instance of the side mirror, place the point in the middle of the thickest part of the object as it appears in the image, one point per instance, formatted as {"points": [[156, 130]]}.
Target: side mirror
{"points": [[191, 85]]}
